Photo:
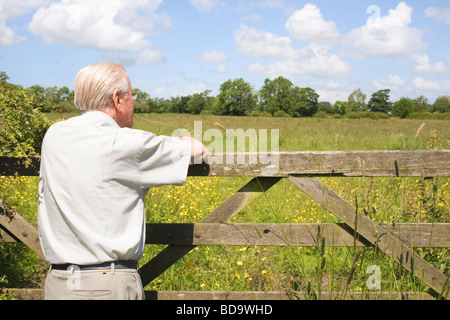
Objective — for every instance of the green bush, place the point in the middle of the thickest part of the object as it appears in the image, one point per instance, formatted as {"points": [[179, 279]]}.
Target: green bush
{"points": [[281, 114], [367, 114], [22, 125], [429, 115]]}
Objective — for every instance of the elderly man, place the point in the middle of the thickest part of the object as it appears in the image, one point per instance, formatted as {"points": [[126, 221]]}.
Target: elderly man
{"points": [[95, 173]]}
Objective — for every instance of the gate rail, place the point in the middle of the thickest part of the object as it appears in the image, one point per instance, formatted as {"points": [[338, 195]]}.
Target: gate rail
{"points": [[301, 169]]}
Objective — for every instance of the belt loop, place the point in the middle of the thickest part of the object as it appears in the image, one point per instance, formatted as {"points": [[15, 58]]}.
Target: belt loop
{"points": [[113, 268]]}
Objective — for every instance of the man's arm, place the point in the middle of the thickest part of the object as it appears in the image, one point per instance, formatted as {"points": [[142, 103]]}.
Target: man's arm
{"points": [[199, 153]]}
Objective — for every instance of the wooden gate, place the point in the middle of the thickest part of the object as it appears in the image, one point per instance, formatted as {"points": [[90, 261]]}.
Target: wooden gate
{"points": [[302, 169]]}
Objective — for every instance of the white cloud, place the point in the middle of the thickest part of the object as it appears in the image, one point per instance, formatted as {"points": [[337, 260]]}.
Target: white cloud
{"points": [[431, 86], [151, 57], [247, 5], [252, 18], [257, 44], [102, 25], [438, 14], [335, 85], [314, 59], [420, 63], [195, 88], [333, 95], [388, 35], [204, 5], [308, 24], [8, 37], [131, 59], [392, 82], [213, 56], [221, 68], [10, 9]]}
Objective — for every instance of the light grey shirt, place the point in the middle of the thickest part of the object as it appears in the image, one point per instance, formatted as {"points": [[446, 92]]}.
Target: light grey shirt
{"points": [[93, 181]]}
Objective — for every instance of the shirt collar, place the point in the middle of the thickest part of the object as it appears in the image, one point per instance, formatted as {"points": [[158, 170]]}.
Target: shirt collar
{"points": [[102, 117]]}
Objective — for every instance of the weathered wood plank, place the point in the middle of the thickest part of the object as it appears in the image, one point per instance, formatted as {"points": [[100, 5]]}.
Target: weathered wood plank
{"points": [[19, 228], [379, 235], [38, 294], [221, 214], [431, 235], [418, 235], [10, 166], [418, 163], [414, 163], [280, 295], [246, 195]]}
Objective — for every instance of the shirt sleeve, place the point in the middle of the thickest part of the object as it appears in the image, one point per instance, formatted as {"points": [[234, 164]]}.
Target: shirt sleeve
{"points": [[163, 161]]}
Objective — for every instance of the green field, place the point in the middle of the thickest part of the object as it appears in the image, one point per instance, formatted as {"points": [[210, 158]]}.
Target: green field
{"points": [[253, 268]]}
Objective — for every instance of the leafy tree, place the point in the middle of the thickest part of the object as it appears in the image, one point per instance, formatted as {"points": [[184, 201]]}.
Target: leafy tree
{"points": [[277, 94], [199, 102], [325, 106], [403, 107], [357, 101], [236, 98], [3, 76], [442, 104], [40, 95], [62, 95], [22, 125], [156, 105], [177, 104], [281, 95], [308, 103], [341, 107], [380, 101], [421, 103], [141, 101]]}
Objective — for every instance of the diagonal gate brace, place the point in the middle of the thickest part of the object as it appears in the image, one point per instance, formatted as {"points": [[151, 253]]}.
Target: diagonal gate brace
{"points": [[221, 214], [19, 228], [381, 236]]}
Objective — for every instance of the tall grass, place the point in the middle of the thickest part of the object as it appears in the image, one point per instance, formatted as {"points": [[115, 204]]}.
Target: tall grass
{"points": [[315, 134], [312, 270]]}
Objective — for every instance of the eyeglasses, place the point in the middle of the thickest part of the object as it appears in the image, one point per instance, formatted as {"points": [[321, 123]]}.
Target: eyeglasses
{"points": [[134, 94]]}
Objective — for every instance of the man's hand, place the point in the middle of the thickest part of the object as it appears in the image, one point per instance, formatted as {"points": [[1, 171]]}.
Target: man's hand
{"points": [[199, 153]]}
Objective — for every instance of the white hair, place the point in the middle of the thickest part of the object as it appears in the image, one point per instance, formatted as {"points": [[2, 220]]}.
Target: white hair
{"points": [[96, 83]]}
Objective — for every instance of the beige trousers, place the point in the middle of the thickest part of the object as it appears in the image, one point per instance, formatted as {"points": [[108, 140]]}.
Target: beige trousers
{"points": [[108, 284]]}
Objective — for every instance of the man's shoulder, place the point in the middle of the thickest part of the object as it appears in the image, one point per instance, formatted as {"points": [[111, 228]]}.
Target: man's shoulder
{"points": [[66, 122], [80, 126]]}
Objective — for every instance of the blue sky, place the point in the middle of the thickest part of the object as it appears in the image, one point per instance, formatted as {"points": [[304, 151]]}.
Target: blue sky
{"points": [[181, 47]]}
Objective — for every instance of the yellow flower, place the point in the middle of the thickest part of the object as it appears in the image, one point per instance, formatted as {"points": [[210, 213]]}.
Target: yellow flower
{"points": [[239, 263], [203, 285], [264, 272]]}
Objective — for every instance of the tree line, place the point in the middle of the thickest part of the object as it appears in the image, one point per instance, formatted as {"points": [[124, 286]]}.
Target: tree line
{"points": [[278, 97]]}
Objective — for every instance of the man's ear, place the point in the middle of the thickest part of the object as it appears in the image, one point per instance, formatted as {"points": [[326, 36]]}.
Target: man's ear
{"points": [[116, 99]]}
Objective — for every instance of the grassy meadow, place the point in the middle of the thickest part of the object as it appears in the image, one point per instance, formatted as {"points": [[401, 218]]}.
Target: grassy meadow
{"points": [[255, 268]]}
